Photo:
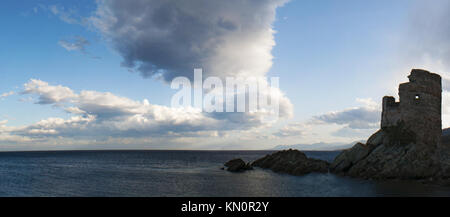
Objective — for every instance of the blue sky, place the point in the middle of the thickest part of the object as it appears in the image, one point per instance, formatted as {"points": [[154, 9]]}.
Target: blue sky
{"points": [[337, 45], [335, 60]]}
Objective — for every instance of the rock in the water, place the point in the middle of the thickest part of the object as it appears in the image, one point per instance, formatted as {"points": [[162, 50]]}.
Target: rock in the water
{"points": [[237, 165], [291, 162]]}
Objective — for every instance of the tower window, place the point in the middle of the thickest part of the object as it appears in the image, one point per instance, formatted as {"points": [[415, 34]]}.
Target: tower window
{"points": [[417, 97]]}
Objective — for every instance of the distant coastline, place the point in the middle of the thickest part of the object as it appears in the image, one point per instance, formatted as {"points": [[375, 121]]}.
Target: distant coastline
{"points": [[317, 146]]}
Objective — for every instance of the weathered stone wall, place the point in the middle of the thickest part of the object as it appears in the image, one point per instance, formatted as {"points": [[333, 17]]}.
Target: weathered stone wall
{"points": [[391, 112], [419, 107]]}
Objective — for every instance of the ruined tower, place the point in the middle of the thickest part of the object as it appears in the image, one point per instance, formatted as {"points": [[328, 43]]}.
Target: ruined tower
{"points": [[418, 109]]}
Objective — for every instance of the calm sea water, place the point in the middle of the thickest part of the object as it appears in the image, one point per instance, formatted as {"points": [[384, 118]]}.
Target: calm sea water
{"points": [[176, 173]]}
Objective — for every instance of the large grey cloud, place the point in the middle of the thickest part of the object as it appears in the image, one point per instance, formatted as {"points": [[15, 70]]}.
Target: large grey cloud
{"points": [[171, 38]]}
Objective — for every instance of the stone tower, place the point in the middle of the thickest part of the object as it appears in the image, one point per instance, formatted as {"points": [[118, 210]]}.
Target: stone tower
{"points": [[418, 109]]}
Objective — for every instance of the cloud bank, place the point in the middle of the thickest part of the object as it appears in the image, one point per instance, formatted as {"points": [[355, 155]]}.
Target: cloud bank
{"points": [[102, 115], [162, 39], [355, 122]]}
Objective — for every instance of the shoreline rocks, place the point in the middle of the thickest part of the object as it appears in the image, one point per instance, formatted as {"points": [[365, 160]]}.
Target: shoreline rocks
{"points": [[373, 160], [237, 165], [292, 162], [384, 156]]}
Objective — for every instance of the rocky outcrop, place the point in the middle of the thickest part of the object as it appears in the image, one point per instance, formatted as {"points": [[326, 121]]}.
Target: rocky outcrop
{"points": [[237, 165], [391, 153], [292, 162], [408, 145]]}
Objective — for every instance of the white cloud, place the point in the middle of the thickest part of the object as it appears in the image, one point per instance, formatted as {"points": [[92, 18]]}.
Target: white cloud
{"points": [[355, 123], [68, 15], [78, 44], [296, 129], [355, 118], [74, 110], [3, 123], [368, 103], [351, 123], [48, 94], [4, 95]]}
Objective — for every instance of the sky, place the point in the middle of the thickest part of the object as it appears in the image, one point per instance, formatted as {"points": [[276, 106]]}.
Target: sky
{"points": [[96, 74]]}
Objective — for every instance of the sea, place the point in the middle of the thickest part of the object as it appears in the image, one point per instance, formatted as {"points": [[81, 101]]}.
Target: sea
{"points": [[178, 174]]}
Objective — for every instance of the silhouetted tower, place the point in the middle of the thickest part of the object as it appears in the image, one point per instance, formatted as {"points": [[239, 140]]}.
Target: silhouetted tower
{"points": [[419, 107]]}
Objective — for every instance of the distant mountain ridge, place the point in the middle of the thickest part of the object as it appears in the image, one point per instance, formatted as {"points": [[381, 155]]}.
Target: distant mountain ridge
{"points": [[321, 146]]}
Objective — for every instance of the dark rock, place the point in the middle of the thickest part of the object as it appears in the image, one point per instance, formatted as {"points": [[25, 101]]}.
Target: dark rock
{"points": [[391, 159], [376, 139], [350, 157], [237, 165], [291, 162]]}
